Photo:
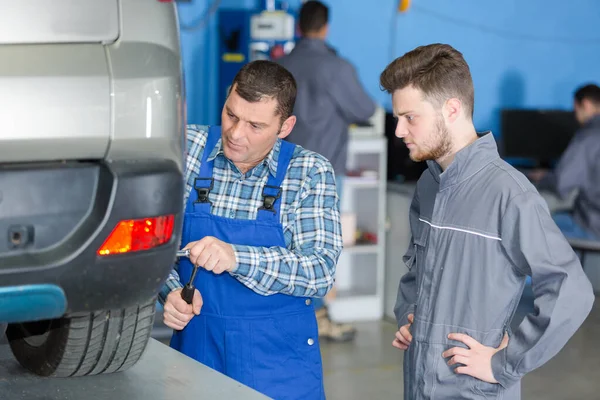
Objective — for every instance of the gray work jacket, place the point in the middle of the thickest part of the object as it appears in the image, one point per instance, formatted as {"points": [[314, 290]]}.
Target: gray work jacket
{"points": [[478, 229], [330, 98], [579, 168]]}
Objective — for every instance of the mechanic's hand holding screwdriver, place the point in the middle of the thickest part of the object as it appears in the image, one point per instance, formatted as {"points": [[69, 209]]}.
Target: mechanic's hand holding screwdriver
{"points": [[177, 313], [212, 254]]}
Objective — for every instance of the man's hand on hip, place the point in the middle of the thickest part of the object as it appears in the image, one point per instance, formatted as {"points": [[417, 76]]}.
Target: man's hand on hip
{"points": [[477, 359], [403, 335], [177, 313], [212, 254]]}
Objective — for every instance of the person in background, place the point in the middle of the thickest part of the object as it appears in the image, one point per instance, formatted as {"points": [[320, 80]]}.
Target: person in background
{"points": [[330, 98], [579, 169]]}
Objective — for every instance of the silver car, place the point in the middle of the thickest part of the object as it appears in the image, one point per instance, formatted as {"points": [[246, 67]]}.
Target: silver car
{"points": [[91, 178]]}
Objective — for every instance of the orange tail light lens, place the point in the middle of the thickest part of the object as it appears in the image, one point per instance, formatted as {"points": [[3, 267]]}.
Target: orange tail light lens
{"points": [[137, 235]]}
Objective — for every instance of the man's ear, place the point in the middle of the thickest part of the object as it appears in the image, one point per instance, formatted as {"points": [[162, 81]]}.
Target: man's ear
{"points": [[287, 126], [452, 109]]}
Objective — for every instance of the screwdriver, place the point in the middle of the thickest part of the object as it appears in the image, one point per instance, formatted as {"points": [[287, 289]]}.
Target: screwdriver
{"points": [[187, 293]]}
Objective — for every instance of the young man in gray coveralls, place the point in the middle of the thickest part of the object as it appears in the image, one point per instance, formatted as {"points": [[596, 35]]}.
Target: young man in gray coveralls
{"points": [[479, 228]]}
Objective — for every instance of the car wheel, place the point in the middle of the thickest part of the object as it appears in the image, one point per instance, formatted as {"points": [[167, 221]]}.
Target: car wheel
{"points": [[83, 344]]}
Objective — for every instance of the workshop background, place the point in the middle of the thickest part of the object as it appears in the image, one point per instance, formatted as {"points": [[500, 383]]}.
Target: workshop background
{"points": [[523, 55]]}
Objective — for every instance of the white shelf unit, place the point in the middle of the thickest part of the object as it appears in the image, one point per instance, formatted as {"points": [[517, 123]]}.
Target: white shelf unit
{"points": [[360, 270]]}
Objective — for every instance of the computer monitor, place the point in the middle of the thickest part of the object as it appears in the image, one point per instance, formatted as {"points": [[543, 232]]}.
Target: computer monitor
{"points": [[538, 135], [400, 167]]}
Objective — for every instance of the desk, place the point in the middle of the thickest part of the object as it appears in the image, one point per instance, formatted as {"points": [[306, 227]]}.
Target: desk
{"points": [[555, 203], [161, 374]]}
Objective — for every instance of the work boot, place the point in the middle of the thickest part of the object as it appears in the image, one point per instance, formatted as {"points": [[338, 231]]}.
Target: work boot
{"points": [[333, 331]]}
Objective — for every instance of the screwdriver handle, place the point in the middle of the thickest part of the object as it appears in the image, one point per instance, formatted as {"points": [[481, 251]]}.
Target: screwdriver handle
{"points": [[187, 293]]}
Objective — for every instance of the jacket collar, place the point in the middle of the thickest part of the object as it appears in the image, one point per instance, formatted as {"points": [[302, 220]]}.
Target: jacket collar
{"points": [[594, 122], [312, 44], [467, 161]]}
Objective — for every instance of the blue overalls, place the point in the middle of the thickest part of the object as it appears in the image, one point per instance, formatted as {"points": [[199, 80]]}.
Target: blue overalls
{"points": [[269, 343]]}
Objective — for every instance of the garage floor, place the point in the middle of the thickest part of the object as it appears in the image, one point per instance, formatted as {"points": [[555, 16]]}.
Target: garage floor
{"points": [[370, 368]]}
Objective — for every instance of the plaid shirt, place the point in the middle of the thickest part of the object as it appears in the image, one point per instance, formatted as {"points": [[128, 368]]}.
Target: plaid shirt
{"points": [[309, 214]]}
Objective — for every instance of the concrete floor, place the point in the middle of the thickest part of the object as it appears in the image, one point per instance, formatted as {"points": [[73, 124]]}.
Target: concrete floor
{"points": [[370, 368]]}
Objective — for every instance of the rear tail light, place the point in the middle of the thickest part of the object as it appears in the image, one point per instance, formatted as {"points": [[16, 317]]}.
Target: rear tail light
{"points": [[137, 235]]}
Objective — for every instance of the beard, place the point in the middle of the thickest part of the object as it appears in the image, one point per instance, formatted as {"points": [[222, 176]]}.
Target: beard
{"points": [[437, 147]]}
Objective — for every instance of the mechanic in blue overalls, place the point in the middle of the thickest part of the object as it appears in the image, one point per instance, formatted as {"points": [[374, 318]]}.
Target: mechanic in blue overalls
{"points": [[262, 222]]}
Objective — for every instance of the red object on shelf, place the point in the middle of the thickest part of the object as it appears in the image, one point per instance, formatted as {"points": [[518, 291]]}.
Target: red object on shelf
{"points": [[277, 52], [367, 238], [370, 237]]}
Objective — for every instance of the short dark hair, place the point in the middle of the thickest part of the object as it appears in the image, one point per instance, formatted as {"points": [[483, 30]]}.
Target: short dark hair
{"points": [[590, 91], [438, 70], [262, 79], [313, 16]]}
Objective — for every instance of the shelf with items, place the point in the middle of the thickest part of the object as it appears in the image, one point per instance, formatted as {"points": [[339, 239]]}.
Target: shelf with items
{"points": [[357, 274], [360, 269], [359, 182], [362, 249]]}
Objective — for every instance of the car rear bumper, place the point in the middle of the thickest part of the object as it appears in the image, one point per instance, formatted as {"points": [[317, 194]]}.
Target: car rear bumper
{"points": [[63, 212]]}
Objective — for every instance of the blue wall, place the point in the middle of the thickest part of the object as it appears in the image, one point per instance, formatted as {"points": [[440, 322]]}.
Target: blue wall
{"points": [[522, 53], [199, 43]]}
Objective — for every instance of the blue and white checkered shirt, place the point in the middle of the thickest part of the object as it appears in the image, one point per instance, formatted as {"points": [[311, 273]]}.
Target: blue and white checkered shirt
{"points": [[309, 214]]}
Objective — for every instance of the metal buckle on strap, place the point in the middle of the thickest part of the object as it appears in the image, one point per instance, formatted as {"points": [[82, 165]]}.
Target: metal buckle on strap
{"points": [[203, 191], [269, 199]]}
